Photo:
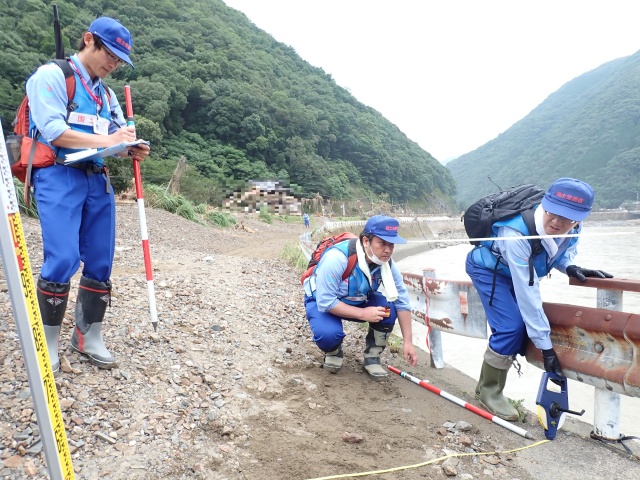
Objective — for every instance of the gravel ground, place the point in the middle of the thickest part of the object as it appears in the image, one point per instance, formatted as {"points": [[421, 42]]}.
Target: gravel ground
{"points": [[229, 387]]}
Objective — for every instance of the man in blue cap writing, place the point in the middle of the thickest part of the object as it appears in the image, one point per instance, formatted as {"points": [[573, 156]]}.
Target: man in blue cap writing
{"points": [[500, 272], [373, 292], [76, 204]]}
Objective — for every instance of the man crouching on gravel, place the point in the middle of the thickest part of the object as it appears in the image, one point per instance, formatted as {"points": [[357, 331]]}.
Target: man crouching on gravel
{"points": [[373, 292]]}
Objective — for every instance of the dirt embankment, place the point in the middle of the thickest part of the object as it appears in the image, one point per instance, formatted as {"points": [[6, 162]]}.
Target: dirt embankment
{"points": [[230, 386]]}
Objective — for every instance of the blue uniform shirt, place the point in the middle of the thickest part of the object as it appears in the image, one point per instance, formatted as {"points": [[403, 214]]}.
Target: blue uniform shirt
{"points": [[47, 92], [516, 254], [330, 287]]}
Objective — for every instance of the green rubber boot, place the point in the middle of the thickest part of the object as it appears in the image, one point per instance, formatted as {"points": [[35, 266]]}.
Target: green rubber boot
{"points": [[493, 378], [479, 384]]}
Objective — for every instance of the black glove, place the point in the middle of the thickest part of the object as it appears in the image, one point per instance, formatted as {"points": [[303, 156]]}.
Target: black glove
{"points": [[582, 273], [551, 362]]}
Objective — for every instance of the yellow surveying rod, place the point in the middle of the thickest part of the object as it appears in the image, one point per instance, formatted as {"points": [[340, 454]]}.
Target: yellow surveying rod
{"points": [[17, 271]]}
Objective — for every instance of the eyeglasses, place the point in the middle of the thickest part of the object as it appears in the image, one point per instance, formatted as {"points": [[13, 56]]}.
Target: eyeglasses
{"points": [[113, 58], [560, 219]]}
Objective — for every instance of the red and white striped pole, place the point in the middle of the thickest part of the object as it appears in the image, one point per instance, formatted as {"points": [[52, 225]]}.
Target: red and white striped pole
{"points": [[462, 403], [143, 218]]}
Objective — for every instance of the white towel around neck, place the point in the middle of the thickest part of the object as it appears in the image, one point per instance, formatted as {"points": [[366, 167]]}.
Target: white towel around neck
{"points": [[388, 286], [548, 243]]}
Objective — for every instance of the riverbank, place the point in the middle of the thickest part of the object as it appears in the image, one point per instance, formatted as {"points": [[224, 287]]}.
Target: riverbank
{"points": [[230, 386]]}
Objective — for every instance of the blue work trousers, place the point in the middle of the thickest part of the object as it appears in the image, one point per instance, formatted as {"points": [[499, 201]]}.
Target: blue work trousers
{"points": [[327, 328], [77, 217], [508, 331]]}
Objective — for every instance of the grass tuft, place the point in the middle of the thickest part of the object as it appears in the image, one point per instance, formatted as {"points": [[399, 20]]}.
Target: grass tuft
{"points": [[522, 412], [265, 216], [32, 211], [221, 220], [294, 257]]}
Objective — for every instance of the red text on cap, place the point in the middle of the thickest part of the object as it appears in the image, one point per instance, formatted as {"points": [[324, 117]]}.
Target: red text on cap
{"points": [[123, 43], [571, 198]]}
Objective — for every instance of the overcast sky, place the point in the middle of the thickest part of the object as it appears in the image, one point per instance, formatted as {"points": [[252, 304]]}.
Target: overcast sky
{"points": [[451, 74]]}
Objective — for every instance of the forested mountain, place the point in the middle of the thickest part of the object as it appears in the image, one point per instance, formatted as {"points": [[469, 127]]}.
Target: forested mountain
{"points": [[212, 87], [588, 129]]}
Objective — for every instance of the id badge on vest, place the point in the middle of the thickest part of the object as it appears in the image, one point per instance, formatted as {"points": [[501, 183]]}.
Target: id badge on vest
{"points": [[101, 126]]}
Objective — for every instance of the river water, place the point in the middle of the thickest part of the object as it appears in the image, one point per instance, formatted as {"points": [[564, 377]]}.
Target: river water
{"points": [[612, 248]]}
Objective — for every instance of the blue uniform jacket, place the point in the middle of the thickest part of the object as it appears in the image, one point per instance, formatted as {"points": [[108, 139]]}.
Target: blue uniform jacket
{"points": [[328, 288], [514, 263], [491, 252]]}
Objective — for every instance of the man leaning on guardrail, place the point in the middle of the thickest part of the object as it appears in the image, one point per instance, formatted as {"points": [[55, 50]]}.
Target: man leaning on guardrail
{"points": [[508, 284]]}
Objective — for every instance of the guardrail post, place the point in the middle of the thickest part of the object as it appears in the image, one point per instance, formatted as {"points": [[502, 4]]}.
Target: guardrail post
{"points": [[435, 336], [606, 404]]}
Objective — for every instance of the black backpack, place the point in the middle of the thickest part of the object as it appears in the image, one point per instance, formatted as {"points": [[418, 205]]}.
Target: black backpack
{"points": [[503, 205]]}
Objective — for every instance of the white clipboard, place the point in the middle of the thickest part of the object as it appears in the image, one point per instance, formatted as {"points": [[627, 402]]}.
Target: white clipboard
{"points": [[98, 153]]}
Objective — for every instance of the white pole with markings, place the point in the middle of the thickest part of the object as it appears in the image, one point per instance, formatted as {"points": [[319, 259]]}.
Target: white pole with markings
{"points": [[26, 312]]}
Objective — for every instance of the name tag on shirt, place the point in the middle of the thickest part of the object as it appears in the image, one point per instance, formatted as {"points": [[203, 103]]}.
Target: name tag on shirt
{"points": [[100, 125]]}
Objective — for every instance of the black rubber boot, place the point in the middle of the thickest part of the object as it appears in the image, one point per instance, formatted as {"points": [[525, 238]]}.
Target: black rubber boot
{"points": [[52, 300], [91, 305], [376, 342]]}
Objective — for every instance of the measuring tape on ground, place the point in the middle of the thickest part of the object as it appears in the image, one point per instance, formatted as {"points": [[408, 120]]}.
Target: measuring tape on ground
{"points": [[24, 302]]}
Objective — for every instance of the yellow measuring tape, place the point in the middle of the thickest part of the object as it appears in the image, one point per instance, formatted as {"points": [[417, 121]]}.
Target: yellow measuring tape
{"points": [[30, 330], [406, 467], [40, 342]]}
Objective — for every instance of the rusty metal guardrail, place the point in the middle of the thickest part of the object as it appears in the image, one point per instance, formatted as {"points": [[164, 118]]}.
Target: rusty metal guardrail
{"points": [[444, 306], [600, 347], [449, 306], [596, 346]]}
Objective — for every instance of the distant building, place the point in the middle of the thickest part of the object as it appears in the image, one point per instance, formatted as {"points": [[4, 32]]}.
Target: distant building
{"points": [[270, 194]]}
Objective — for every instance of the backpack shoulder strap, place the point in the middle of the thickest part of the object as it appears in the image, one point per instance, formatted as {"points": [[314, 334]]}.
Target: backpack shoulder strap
{"points": [[530, 222], [70, 81], [536, 244], [63, 63], [107, 91], [69, 77], [352, 261], [352, 258]]}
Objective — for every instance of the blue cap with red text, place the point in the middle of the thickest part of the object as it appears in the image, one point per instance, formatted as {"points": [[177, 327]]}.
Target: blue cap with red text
{"points": [[116, 37], [569, 198], [385, 228]]}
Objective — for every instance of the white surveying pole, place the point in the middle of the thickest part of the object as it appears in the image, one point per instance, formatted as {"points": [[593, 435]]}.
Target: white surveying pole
{"points": [[17, 271]]}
